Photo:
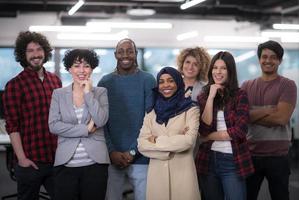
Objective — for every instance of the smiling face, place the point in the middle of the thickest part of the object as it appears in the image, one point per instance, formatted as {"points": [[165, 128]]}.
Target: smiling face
{"points": [[269, 62], [190, 68], [126, 55], [167, 85], [35, 56], [219, 72], [80, 70]]}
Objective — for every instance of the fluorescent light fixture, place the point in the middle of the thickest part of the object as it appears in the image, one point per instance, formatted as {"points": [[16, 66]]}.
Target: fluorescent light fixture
{"points": [[76, 7], [132, 25], [290, 39], [286, 26], [190, 3], [279, 34], [187, 35], [79, 29], [141, 12], [89, 36], [245, 56], [245, 39]]}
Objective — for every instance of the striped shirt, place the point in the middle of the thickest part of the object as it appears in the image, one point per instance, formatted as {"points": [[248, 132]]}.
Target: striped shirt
{"points": [[80, 157]]}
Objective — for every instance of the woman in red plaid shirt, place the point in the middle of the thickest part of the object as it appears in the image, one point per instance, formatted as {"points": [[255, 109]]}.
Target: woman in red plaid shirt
{"points": [[223, 159]]}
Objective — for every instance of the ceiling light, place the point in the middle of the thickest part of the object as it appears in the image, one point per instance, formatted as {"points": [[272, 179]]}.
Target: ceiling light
{"points": [[190, 3], [187, 35], [89, 36], [279, 34], [79, 29], [245, 56], [286, 26], [141, 12], [290, 39], [132, 25], [76, 7], [250, 39]]}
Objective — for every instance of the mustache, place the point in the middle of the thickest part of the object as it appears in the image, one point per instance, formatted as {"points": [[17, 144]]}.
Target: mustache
{"points": [[37, 57]]}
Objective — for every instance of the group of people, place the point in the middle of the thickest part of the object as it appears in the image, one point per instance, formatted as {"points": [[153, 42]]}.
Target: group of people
{"points": [[191, 133]]}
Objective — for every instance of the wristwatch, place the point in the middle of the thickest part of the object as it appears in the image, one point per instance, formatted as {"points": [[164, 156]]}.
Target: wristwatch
{"points": [[132, 152]]}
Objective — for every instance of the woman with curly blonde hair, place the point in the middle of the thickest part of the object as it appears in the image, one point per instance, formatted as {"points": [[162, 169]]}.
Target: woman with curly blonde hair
{"points": [[193, 63]]}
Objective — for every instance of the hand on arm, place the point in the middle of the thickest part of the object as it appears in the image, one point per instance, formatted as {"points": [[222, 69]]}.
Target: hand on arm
{"points": [[119, 159], [217, 136], [91, 126], [207, 115], [260, 113], [16, 142], [280, 116]]}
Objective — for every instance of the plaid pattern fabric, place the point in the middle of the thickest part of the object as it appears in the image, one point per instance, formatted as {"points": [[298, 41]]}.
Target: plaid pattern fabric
{"points": [[236, 114], [26, 102]]}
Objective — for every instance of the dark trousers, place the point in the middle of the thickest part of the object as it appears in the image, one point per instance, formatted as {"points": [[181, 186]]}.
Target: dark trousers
{"points": [[29, 181], [276, 170], [80, 183]]}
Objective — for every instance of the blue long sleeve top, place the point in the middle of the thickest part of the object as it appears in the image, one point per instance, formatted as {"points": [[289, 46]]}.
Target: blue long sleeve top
{"points": [[129, 97]]}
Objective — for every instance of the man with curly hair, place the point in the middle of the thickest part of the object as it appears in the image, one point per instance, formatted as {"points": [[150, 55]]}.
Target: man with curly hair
{"points": [[26, 100]]}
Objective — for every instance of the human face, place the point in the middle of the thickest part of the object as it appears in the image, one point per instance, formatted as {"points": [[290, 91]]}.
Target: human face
{"points": [[80, 71], [190, 67], [269, 62], [125, 55], [219, 72], [35, 56], [167, 85]]}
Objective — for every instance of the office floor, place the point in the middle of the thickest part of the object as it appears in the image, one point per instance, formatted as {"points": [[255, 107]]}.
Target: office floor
{"points": [[7, 186]]}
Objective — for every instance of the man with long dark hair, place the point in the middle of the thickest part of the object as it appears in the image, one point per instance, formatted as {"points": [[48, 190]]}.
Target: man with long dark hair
{"points": [[26, 101]]}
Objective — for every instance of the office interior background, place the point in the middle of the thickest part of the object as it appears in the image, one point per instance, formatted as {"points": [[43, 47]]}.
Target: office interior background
{"points": [[160, 29]]}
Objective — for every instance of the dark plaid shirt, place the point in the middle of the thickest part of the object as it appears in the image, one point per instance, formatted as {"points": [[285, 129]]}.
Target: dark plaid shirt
{"points": [[26, 102], [236, 114]]}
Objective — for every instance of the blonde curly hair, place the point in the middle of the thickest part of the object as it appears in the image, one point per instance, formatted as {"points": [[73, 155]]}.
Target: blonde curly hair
{"points": [[202, 57]]}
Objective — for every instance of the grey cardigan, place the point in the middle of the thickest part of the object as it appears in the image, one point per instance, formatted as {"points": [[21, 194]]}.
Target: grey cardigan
{"points": [[63, 123]]}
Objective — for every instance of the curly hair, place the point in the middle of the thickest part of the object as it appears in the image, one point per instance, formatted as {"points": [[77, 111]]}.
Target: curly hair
{"points": [[23, 39], [202, 57], [90, 56]]}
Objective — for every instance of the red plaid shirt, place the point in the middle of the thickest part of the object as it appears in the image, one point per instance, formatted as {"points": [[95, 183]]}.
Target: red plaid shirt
{"points": [[26, 102], [236, 114]]}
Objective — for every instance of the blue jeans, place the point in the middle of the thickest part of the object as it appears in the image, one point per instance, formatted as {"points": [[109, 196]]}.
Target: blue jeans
{"points": [[276, 170], [222, 180], [136, 174]]}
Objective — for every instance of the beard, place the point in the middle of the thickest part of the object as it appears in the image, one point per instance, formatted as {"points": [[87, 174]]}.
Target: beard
{"points": [[35, 66]]}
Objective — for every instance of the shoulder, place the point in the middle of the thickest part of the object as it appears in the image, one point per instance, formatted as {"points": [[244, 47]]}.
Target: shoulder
{"points": [[52, 75], [107, 77], [248, 83], [287, 82], [146, 75], [193, 109], [99, 90], [60, 91], [16, 81]]}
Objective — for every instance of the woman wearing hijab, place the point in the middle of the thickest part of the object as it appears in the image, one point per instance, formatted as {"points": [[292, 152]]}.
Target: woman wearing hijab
{"points": [[167, 137]]}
